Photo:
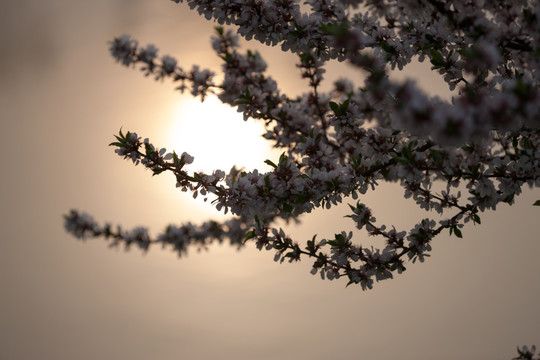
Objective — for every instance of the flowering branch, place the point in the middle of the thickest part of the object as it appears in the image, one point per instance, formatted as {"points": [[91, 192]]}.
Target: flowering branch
{"points": [[181, 238], [342, 143], [481, 148]]}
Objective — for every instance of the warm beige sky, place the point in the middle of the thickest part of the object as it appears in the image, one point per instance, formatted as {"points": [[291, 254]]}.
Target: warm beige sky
{"points": [[62, 98]]}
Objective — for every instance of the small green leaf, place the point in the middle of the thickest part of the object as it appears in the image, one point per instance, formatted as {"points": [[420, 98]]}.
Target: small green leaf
{"points": [[301, 199], [157, 171], [339, 109], [339, 242], [244, 98], [536, 203], [400, 159], [241, 101], [509, 199], [335, 107], [287, 208], [529, 15], [271, 163], [436, 58], [436, 156], [249, 235], [410, 27], [227, 57], [387, 47], [176, 160], [306, 57], [282, 159], [356, 162], [458, 232], [336, 29], [345, 106]]}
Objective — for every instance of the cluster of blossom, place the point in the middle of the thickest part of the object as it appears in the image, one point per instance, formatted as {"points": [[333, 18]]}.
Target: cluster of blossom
{"points": [[489, 47], [342, 143], [126, 50], [526, 354], [180, 238]]}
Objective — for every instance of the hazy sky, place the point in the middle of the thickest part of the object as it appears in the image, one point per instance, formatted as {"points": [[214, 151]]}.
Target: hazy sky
{"points": [[62, 97]]}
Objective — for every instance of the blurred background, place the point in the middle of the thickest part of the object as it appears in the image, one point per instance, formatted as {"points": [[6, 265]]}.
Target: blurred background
{"points": [[62, 97]]}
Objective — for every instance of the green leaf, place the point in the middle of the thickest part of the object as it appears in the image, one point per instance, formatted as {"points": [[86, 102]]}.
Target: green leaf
{"points": [[282, 159], [301, 199], [306, 57], [407, 152], [339, 109], [529, 15], [410, 27], [387, 47], [311, 243], [227, 57], [332, 242], [242, 100], [249, 235], [287, 208], [345, 106], [289, 254], [338, 30], [458, 232], [436, 156], [157, 171], [509, 199], [271, 163], [397, 266], [400, 159], [436, 58], [176, 160], [338, 242], [536, 203], [335, 107], [356, 162]]}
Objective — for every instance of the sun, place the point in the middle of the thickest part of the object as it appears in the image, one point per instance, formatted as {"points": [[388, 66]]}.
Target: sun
{"points": [[217, 136]]}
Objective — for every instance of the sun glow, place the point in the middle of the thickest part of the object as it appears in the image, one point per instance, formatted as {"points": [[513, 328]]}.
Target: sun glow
{"points": [[216, 135]]}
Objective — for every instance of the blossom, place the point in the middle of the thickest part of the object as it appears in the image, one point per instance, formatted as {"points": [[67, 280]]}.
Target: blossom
{"points": [[168, 64], [123, 49]]}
